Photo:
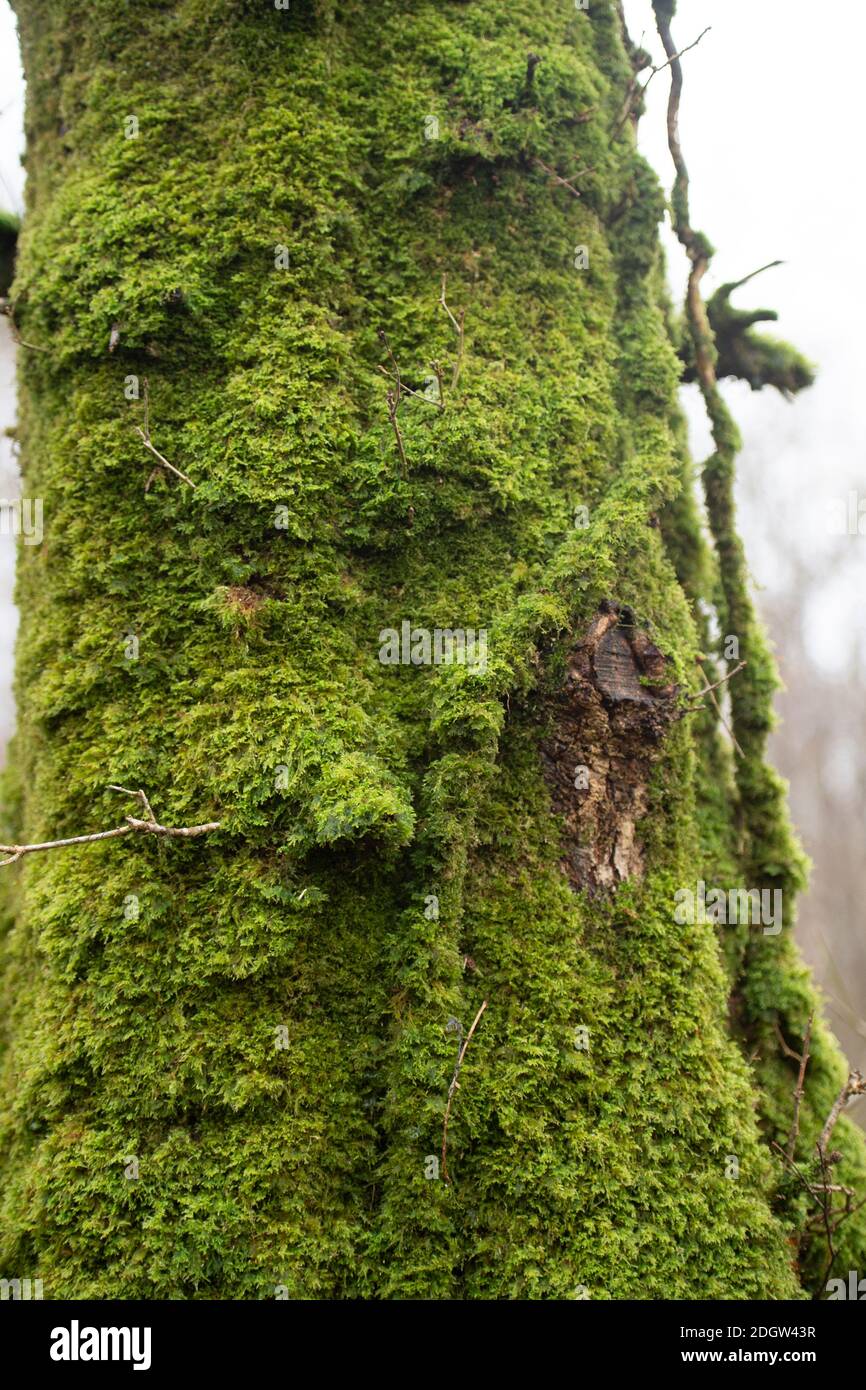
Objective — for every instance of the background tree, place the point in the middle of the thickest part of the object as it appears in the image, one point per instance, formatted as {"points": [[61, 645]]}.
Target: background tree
{"points": [[343, 318]]}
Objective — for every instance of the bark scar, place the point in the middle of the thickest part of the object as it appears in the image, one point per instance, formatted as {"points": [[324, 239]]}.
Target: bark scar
{"points": [[607, 724]]}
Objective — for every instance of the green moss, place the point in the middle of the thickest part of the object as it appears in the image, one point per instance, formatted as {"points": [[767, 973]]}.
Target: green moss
{"points": [[380, 824], [10, 226]]}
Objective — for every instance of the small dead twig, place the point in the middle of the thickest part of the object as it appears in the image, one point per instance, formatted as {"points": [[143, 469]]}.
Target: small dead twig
{"points": [[139, 795], [699, 694], [7, 309], [827, 1218], [803, 1059], [459, 330], [437, 368], [633, 96], [710, 690], [393, 403], [826, 1201], [407, 390], [145, 439], [636, 90], [854, 1086], [557, 178], [731, 735], [383, 339], [131, 824], [453, 1087], [792, 1165]]}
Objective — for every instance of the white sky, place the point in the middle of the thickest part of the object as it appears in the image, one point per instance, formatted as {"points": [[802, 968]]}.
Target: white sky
{"points": [[11, 114], [771, 124]]}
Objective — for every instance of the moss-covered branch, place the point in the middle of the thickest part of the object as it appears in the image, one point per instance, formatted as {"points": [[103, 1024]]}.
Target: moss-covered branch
{"points": [[767, 978], [752, 357]]}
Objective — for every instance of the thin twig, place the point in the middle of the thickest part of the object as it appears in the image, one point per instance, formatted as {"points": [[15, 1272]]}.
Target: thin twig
{"points": [[787, 1051], [738, 284], [557, 178], [145, 439], [453, 1087], [164, 461], [803, 1059], [854, 1086], [150, 826], [140, 795], [437, 367], [699, 694], [7, 309], [387, 346], [391, 398], [731, 735], [805, 1181], [636, 90], [710, 690], [459, 330], [407, 390], [829, 1229]]}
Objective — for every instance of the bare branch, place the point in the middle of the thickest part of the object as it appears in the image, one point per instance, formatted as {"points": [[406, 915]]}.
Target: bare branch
{"points": [[16, 851], [636, 91], [803, 1059], [131, 824], [396, 373], [458, 328], [7, 309], [854, 1086], [454, 1084], [391, 398], [164, 461], [708, 689], [145, 439], [737, 284], [407, 390], [437, 367], [691, 708], [826, 1201], [557, 178]]}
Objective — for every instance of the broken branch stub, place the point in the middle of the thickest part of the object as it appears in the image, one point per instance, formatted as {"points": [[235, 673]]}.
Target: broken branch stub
{"points": [[607, 725]]}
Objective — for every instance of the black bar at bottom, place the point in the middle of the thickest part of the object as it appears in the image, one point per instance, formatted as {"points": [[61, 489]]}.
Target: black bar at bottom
{"points": [[87, 1339]]}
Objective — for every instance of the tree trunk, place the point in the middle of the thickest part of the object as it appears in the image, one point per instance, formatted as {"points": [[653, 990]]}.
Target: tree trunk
{"points": [[385, 288]]}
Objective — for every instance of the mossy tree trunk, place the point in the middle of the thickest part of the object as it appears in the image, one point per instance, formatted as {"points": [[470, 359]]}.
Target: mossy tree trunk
{"points": [[228, 1058]]}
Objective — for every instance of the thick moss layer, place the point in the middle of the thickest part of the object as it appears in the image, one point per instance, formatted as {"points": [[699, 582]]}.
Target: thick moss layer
{"points": [[300, 181]]}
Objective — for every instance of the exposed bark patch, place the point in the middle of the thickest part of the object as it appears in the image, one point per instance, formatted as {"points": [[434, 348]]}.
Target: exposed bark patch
{"points": [[607, 728], [242, 599]]}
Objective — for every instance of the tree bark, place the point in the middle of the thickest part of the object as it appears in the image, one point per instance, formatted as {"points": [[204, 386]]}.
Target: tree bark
{"points": [[393, 357]]}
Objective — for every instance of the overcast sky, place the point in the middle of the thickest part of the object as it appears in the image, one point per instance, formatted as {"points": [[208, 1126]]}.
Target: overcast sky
{"points": [[771, 122]]}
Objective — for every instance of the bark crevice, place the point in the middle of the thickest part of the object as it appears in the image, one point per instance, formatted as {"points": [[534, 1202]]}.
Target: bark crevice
{"points": [[609, 719]]}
